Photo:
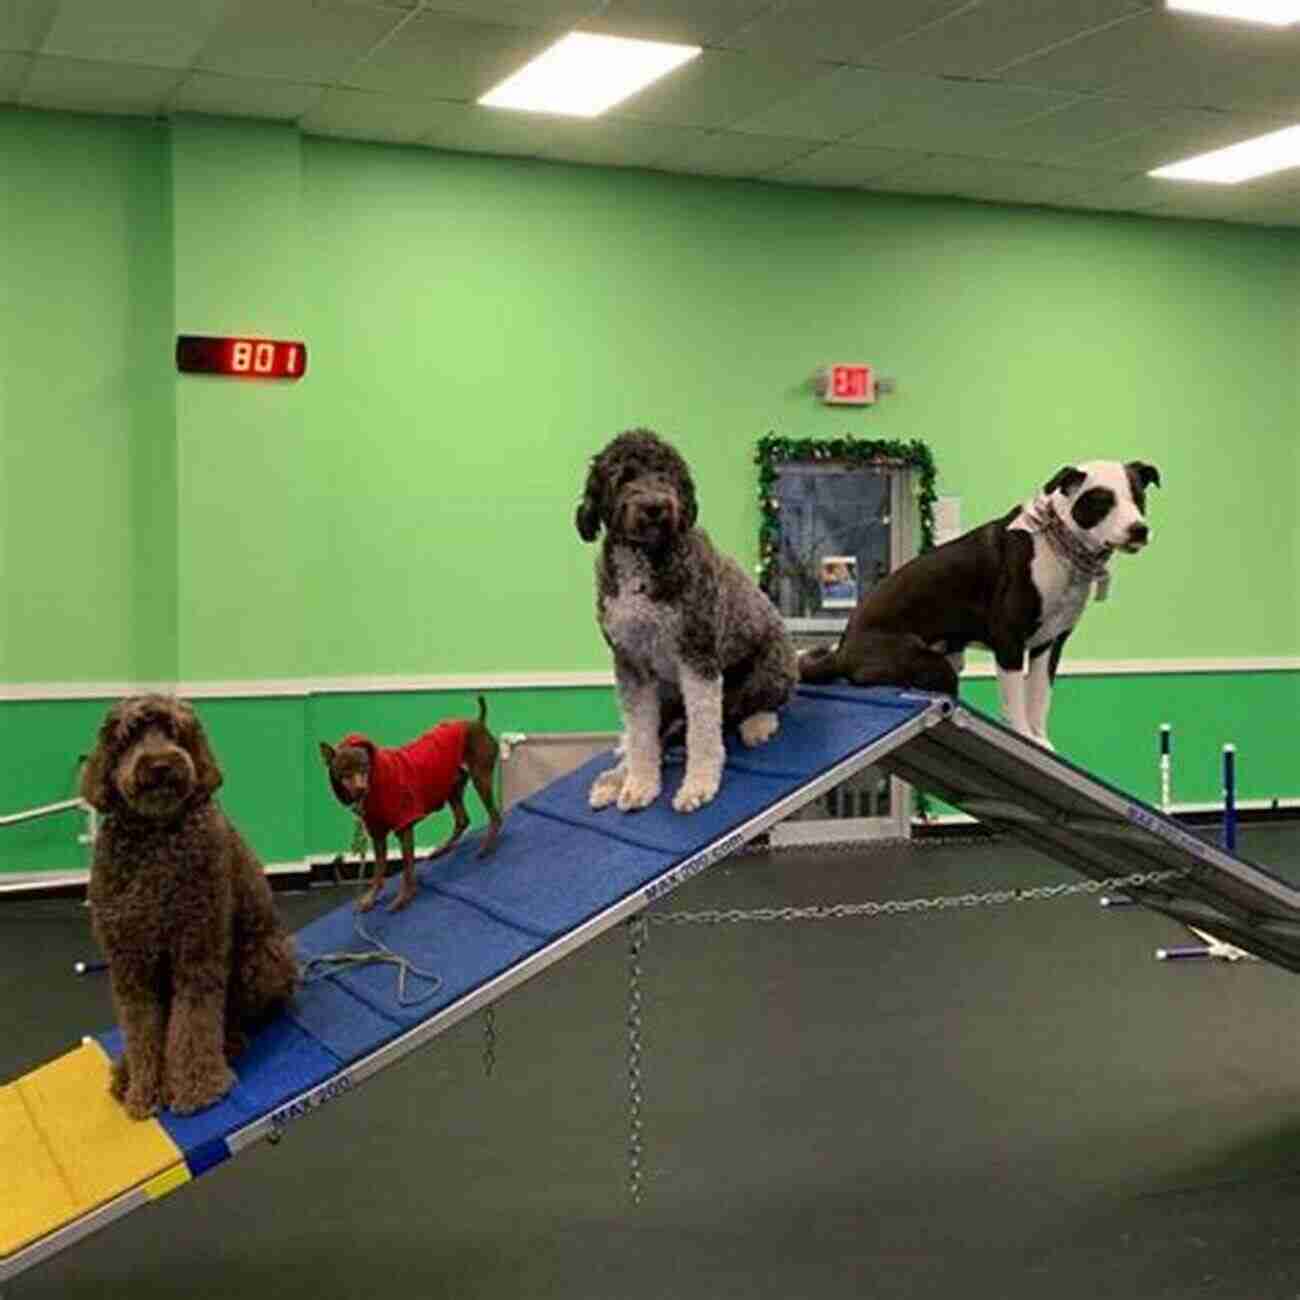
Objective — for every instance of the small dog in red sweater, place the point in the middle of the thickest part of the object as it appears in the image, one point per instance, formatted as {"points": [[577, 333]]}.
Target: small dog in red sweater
{"points": [[392, 789]]}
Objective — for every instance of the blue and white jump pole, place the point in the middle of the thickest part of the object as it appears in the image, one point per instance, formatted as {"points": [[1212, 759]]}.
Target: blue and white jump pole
{"points": [[1166, 801], [1212, 947]]}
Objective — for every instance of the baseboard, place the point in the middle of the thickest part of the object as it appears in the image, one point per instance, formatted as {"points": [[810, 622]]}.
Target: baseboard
{"points": [[978, 666]]}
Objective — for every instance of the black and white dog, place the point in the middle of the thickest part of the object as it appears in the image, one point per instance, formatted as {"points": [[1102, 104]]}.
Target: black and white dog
{"points": [[1017, 585], [693, 637]]}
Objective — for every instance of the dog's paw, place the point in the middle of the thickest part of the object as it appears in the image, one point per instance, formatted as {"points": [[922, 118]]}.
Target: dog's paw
{"points": [[236, 1044], [638, 792], [119, 1080], [759, 727], [141, 1102], [698, 789], [607, 787], [404, 898], [190, 1095], [1042, 740]]}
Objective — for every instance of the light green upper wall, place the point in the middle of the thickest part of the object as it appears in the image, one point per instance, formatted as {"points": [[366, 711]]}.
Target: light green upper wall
{"points": [[83, 401], [241, 249], [484, 325], [479, 327]]}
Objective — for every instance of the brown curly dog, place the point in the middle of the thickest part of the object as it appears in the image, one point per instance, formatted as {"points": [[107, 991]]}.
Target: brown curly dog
{"points": [[181, 908]]}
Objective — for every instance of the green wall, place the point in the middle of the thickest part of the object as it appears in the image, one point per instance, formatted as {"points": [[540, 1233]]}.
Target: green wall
{"points": [[83, 415], [478, 327]]}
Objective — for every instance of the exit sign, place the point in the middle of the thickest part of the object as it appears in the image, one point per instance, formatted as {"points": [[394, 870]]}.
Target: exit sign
{"points": [[847, 384]]}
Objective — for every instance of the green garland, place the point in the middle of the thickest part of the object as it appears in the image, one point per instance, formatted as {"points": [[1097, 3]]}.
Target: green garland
{"points": [[774, 450]]}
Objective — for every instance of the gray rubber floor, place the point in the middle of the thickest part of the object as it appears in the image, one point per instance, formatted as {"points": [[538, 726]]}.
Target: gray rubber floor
{"points": [[1012, 1102]]}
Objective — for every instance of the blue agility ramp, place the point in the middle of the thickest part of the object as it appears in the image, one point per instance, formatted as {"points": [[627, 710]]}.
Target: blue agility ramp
{"points": [[71, 1162], [560, 876]]}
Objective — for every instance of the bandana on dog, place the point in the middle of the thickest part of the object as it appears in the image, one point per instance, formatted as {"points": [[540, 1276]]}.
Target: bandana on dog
{"points": [[1086, 566]]}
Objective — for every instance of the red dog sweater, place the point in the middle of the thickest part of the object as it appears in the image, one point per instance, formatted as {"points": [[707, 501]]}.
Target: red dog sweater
{"points": [[413, 780]]}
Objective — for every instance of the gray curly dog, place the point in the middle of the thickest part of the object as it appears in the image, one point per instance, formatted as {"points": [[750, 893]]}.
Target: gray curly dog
{"points": [[693, 637]]}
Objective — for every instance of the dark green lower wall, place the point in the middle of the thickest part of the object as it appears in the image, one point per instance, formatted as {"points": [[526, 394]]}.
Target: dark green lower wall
{"points": [[276, 791], [1110, 726], [275, 787]]}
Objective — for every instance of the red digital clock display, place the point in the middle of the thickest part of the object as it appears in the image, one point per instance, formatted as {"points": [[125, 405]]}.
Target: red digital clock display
{"points": [[199, 354]]}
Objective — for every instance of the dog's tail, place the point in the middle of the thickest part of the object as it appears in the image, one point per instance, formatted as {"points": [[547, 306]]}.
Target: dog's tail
{"points": [[893, 659], [882, 659], [482, 709], [820, 665]]}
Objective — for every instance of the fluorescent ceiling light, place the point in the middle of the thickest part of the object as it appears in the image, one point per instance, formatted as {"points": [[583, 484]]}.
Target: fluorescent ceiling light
{"points": [[1276, 13], [583, 74], [1261, 156]]}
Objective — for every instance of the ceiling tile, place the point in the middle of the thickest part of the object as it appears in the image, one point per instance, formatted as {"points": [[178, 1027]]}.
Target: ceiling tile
{"points": [[398, 7], [295, 39], [688, 21], [954, 116], [1179, 61], [1221, 203], [548, 14], [844, 165], [729, 153], [717, 88], [1126, 194], [1032, 101], [1172, 136], [1085, 123], [978, 39], [987, 178], [208, 92], [840, 31], [438, 57], [84, 86], [839, 102], [156, 33], [470, 128], [24, 24], [362, 115], [13, 75], [608, 142]]}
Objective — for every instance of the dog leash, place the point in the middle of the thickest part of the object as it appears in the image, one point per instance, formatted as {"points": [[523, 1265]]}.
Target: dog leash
{"points": [[334, 963]]}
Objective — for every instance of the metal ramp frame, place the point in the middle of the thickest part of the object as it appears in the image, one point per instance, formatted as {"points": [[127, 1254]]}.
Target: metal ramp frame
{"points": [[1015, 786], [561, 876]]}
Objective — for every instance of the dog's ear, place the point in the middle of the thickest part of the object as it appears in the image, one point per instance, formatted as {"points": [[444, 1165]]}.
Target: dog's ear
{"points": [[586, 519], [1144, 474], [96, 773], [207, 775], [1066, 479], [690, 507], [681, 471], [327, 752]]}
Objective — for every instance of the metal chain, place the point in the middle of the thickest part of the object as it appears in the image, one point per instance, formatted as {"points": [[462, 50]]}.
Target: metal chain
{"points": [[903, 906], [638, 929], [489, 1040], [637, 934]]}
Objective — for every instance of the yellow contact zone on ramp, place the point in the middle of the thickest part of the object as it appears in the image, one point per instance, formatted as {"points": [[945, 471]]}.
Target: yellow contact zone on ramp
{"points": [[66, 1148]]}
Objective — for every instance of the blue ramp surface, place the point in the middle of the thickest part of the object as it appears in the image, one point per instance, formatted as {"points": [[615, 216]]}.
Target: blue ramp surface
{"points": [[560, 876]]}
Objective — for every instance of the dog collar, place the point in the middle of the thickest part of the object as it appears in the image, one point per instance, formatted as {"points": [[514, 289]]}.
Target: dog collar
{"points": [[1086, 565]]}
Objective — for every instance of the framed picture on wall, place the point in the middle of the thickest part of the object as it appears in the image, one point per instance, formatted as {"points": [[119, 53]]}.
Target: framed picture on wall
{"points": [[839, 581]]}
